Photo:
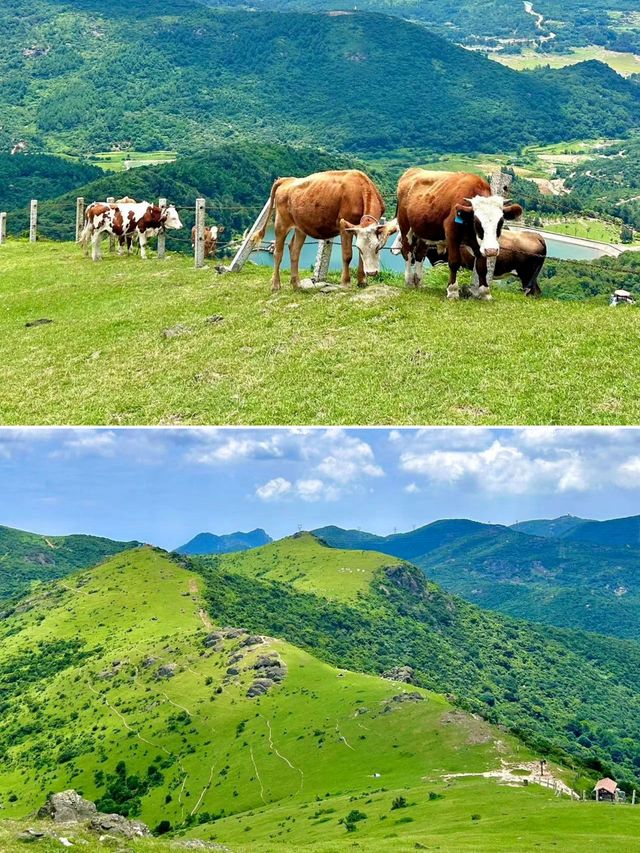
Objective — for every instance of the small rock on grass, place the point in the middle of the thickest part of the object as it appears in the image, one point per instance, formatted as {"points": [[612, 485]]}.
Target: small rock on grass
{"points": [[43, 321], [176, 331], [213, 319]]}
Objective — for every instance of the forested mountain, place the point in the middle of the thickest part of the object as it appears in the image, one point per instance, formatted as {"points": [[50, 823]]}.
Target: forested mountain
{"points": [[193, 77], [556, 579], [566, 692], [550, 527], [27, 557], [613, 531], [210, 543], [40, 176]]}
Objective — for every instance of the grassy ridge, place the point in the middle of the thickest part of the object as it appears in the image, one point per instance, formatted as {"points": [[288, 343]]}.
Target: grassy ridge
{"points": [[383, 355]]}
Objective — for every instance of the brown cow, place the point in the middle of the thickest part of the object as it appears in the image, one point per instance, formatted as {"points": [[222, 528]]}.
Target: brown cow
{"points": [[211, 234], [450, 208], [522, 253], [323, 206], [121, 220]]}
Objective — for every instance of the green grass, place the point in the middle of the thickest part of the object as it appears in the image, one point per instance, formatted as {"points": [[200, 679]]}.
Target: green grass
{"points": [[623, 63], [591, 229], [114, 161], [379, 356]]}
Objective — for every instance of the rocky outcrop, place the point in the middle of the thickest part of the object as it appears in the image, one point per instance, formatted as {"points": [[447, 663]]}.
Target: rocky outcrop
{"points": [[400, 673], [270, 666], [167, 670], [115, 824], [260, 687], [68, 807]]}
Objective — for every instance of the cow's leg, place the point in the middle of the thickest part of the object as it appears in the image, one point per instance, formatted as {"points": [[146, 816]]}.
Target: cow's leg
{"points": [[483, 284], [96, 237], [529, 281], [295, 247], [142, 238], [120, 245], [346, 242], [417, 274], [362, 279], [453, 291], [278, 251]]}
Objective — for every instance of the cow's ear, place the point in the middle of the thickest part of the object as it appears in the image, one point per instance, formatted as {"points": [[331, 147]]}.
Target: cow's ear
{"points": [[220, 229], [512, 211], [345, 225]]}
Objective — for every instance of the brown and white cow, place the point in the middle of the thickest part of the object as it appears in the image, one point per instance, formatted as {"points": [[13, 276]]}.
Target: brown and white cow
{"points": [[522, 253], [451, 208], [323, 206], [211, 235], [123, 220]]}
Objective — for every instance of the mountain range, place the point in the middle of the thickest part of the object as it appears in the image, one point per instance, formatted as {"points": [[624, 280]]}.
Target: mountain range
{"points": [[210, 543], [571, 572]]}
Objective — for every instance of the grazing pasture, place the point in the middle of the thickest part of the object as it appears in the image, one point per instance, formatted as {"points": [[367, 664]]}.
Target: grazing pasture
{"points": [[157, 342]]}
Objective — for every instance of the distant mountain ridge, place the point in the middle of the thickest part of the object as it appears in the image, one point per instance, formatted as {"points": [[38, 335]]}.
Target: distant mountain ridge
{"points": [[210, 543], [550, 527]]}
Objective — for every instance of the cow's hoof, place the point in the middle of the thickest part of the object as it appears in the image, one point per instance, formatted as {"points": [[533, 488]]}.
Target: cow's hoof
{"points": [[453, 294], [362, 284], [484, 295]]}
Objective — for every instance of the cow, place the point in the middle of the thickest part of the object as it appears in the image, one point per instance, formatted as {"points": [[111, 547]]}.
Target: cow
{"points": [[125, 220], [522, 253], [450, 208], [323, 206], [211, 234]]}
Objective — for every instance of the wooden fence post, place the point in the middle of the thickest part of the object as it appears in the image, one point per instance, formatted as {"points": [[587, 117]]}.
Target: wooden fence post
{"points": [[3, 227], [246, 247], [33, 221], [323, 258], [198, 250], [162, 236], [112, 239], [79, 217]]}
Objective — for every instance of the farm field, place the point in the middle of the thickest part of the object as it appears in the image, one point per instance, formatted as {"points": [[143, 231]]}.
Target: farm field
{"points": [[115, 161], [624, 63], [159, 342], [591, 229]]}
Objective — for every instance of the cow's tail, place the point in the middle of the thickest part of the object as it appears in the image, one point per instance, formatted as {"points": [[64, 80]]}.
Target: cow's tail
{"points": [[85, 234], [258, 237]]}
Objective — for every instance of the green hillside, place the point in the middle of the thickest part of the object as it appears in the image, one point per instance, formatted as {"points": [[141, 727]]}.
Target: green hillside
{"points": [[189, 77], [553, 577], [118, 684], [23, 177], [567, 693], [28, 557], [614, 531]]}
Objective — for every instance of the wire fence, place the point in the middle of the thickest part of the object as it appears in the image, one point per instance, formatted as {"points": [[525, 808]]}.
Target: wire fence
{"points": [[53, 221]]}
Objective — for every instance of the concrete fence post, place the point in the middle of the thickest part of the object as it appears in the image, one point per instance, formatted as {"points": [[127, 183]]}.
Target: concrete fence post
{"points": [[198, 250], [323, 258], [79, 217], [246, 247], [112, 239], [33, 221], [3, 227], [162, 236]]}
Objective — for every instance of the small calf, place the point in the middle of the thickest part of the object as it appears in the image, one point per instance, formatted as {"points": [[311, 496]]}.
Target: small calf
{"points": [[211, 234]]}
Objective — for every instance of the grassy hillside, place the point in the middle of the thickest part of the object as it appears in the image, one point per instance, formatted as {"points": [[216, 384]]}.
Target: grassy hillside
{"points": [[567, 693], [28, 557], [188, 77], [106, 357], [118, 684]]}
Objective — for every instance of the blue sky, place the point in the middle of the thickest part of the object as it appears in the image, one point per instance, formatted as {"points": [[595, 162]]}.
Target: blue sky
{"points": [[165, 485]]}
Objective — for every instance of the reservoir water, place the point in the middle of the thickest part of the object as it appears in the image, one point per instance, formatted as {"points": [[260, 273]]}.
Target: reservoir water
{"points": [[395, 263]]}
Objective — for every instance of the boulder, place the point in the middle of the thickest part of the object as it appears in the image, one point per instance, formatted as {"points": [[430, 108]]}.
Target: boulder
{"points": [[167, 670], [68, 807], [408, 697], [115, 824], [400, 673], [260, 687], [252, 640], [212, 639], [233, 633], [270, 666], [233, 670]]}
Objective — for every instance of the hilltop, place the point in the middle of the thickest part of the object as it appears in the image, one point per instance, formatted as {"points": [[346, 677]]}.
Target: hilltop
{"points": [[561, 690], [27, 557], [545, 570], [119, 684], [374, 84]]}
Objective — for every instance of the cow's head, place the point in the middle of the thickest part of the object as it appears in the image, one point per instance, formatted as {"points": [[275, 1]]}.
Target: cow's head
{"points": [[370, 237], [488, 214], [170, 218]]}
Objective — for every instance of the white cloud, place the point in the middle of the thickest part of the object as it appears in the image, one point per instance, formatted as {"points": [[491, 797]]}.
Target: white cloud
{"points": [[349, 459], [235, 449], [412, 489], [627, 474], [88, 442], [274, 489], [499, 468]]}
